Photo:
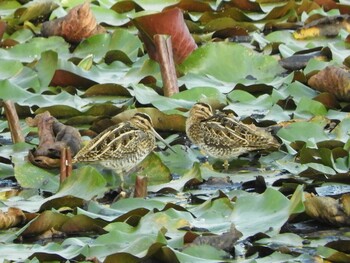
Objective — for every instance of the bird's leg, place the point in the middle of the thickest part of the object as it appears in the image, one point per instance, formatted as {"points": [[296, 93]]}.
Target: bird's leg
{"points": [[226, 165]]}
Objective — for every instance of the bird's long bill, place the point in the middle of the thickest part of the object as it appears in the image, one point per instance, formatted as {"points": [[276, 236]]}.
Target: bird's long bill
{"points": [[162, 140]]}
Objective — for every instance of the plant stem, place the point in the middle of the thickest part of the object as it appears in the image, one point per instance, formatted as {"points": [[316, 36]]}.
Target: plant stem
{"points": [[167, 65], [13, 121]]}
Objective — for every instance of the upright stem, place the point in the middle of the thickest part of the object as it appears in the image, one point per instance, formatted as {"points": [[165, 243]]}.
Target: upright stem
{"points": [[167, 65], [13, 121]]}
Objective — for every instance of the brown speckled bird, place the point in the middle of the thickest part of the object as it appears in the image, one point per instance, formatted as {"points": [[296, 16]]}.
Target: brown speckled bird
{"points": [[223, 137], [123, 146]]}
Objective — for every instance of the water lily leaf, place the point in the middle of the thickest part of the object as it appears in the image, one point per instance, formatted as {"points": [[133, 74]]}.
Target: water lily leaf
{"points": [[205, 253], [275, 213], [21, 252], [332, 254], [191, 177], [180, 161], [307, 108], [154, 169], [99, 45], [128, 204], [207, 215], [36, 46], [284, 239], [253, 67], [9, 68], [9, 91], [45, 221], [258, 108], [110, 17], [85, 183], [31, 176], [308, 132], [35, 10], [341, 130], [201, 94], [128, 241], [46, 68], [155, 6], [193, 80]]}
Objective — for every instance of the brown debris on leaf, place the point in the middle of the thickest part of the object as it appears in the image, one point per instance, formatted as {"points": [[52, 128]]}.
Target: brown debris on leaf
{"points": [[77, 25], [13, 217], [53, 137], [328, 210], [326, 27], [225, 241], [334, 80], [169, 22]]}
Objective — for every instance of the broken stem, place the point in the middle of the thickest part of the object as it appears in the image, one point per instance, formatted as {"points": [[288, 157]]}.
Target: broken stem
{"points": [[13, 121], [65, 163], [167, 65], [140, 186]]}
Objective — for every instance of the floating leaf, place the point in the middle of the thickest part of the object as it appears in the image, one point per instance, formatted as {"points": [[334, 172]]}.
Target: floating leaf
{"points": [[252, 67]]}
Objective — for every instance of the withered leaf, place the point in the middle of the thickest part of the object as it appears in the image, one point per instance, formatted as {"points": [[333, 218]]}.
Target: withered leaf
{"points": [[326, 26], [13, 217], [77, 25], [169, 22], [225, 241], [328, 210], [334, 80], [53, 137]]}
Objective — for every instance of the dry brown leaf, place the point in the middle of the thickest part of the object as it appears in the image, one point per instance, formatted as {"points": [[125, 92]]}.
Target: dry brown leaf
{"points": [[53, 137], [328, 210], [334, 80], [13, 217], [77, 25], [225, 241], [326, 26]]}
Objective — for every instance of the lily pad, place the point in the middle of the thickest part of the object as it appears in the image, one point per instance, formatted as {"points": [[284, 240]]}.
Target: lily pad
{"points": [[243, 65]]}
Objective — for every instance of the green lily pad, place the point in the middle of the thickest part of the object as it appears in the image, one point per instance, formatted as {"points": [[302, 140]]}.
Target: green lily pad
{"points": [[252, 67]]}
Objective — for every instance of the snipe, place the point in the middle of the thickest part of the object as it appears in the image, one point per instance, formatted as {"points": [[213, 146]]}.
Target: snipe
{"points": [[223, 137], [123, 146]]}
